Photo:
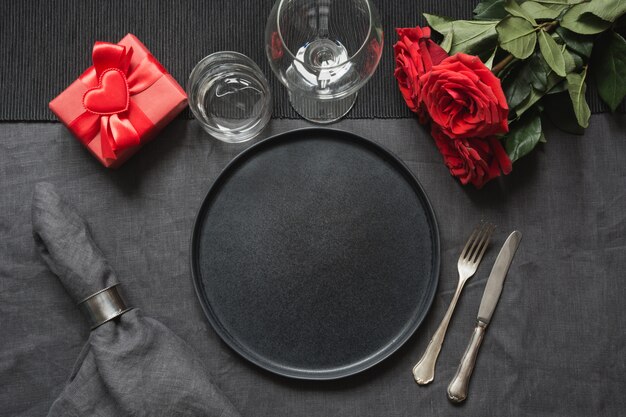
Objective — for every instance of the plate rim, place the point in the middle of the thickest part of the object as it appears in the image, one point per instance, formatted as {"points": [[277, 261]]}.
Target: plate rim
{"points": [[363, 364]]}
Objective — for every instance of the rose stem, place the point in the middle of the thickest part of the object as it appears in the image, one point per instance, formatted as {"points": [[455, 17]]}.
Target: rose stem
{"points": [[500, 65]]}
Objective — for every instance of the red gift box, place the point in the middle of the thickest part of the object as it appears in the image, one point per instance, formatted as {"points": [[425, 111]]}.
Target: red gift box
{"points": [[121, 102]]}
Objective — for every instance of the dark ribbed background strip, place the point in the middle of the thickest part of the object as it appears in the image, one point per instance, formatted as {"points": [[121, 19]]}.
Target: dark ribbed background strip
{"points": [[46, 44]]}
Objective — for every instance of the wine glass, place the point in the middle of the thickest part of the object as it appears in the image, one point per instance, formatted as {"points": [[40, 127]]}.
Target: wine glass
{"points": [[323, 51]]}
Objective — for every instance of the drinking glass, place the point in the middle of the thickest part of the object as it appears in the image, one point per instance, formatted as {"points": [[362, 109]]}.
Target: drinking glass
{"points": [[229, 96], [323, 51]]}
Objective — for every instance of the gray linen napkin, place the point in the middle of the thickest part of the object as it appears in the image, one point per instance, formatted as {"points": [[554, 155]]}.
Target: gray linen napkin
{"points": [[133, 365]]}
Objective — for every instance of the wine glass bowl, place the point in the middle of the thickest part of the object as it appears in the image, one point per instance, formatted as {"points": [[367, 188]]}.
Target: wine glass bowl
{"points": [[323, 51]]}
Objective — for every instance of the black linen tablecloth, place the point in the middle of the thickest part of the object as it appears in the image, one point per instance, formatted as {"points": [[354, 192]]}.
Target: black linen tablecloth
{"points": [[556, 346]]}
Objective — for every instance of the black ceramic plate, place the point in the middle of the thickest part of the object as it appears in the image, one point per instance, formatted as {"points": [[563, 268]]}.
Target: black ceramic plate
{"points": [[315, 254]]}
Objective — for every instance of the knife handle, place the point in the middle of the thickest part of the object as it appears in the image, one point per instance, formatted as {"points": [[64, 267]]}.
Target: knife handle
{"points": [[457, 390]]}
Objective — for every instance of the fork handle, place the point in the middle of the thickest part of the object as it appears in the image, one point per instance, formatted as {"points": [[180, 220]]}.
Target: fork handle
{"points": [[457, 390], [424, 370]]}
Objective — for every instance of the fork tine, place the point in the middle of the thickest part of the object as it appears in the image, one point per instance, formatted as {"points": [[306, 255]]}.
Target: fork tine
{"points": [[483, 227], [476, 243], [471, 239], [485, 233], [483, 245]]}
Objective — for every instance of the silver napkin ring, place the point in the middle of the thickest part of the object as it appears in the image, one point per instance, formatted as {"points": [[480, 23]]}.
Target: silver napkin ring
{"points": [[103, 306]]}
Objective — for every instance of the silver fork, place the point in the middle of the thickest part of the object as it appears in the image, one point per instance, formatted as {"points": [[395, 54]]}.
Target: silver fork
{"points": [[472, 253]]}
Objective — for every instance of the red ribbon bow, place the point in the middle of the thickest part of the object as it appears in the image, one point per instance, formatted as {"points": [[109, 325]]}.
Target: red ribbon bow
{"points": [[109, 109]]}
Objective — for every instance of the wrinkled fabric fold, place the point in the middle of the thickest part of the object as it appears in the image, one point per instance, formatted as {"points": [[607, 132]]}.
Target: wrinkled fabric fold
{"points": [[133, 365]]}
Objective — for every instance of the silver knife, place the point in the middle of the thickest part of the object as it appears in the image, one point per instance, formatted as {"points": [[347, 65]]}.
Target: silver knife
{"points": [[457, 390]]}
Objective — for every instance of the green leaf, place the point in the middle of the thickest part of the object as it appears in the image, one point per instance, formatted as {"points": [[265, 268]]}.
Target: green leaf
{"points": [[446, 43], [554, 83], [517, 36], [608, 10], [559, 111], [470, 36], [561, 2], [576, 88], [573, 62], [523, 136], [516, 86], [441, 24], [542, 138], [543, 77], [559, 8], [581, 44], [525, 84], [532, 99], [551, 53], [473, 37], [609, 69], [490, 10], [489, 62], [514, 9], [538, 71], [559, 87], [520, 80], [539, 11], [579, 20]]}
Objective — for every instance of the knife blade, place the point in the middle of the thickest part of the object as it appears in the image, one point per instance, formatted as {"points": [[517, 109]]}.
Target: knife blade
{"points": [[457, 390], [493, 289]]}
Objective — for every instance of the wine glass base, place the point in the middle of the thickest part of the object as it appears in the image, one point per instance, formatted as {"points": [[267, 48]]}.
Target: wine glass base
{"points": [[322, 111]]}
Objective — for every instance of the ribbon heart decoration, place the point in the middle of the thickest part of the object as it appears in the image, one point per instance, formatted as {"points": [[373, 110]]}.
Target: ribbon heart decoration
{"points": [[111, 83], [110, 96]]}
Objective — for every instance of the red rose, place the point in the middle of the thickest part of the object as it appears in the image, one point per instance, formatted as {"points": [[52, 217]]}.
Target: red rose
{"points": [[472, 160], [415, 55], [276, 47], [464, 98]]}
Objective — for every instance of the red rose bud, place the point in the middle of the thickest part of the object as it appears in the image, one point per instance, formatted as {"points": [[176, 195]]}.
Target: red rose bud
{"points": [[415, 54], [464, 98], [472, 160]]}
